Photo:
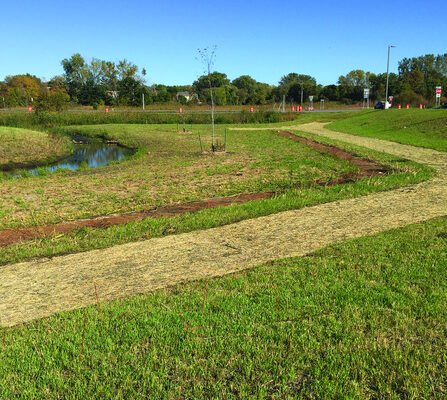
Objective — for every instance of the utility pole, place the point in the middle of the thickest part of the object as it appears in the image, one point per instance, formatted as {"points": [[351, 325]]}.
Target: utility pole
{"points": [[301, 83], [143, 101], [387, 75], [283, 103]]}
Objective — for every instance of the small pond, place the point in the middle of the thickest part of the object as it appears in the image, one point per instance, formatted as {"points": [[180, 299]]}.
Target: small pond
{"points": [[93, 155], [87, 154]]}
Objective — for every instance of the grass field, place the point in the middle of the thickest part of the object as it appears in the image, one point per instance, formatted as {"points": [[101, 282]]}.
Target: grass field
{"points": [[423, 128], [361, 319], [168, 168], [20, 147], [165, 172]]}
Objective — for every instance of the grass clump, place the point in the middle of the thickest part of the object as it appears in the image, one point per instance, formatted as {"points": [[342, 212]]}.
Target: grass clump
{"points": [[360, 319]]}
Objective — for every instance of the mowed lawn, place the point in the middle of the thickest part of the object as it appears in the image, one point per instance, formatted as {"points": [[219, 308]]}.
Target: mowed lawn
{"points": [[168, 168], [423, 128], [361, 319]]}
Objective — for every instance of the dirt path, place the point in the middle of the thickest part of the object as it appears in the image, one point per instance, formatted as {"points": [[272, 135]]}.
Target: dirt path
{"points": [[36, 289]]}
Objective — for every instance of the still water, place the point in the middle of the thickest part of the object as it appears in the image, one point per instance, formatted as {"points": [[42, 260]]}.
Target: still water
{"points": [[91, 155]]}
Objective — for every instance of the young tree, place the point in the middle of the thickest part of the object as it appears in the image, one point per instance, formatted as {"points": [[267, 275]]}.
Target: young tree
{"points": [[207, 56]]}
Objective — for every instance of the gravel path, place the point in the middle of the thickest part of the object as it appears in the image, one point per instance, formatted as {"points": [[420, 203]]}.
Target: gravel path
{"points": [[37, 289]]}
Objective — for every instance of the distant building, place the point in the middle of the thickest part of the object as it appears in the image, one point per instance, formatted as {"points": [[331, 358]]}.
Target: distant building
{"points": [[112, 93], [187, 95]]}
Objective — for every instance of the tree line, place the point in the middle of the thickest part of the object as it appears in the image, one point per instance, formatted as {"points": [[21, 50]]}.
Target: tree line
{"points": [[101, 82]]}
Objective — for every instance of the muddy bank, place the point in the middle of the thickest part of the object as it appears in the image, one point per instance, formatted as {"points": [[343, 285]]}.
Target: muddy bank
{"points": [[366, 168]]}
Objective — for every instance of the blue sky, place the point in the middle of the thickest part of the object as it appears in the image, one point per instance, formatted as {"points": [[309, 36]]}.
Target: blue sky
{"points": [[265, 39]]}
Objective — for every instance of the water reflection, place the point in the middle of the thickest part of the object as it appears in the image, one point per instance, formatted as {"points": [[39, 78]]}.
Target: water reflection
{"points": [[90, 155]]}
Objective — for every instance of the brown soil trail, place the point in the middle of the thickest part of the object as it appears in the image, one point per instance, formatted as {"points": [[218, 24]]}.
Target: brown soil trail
{"points": [[36, 289]]}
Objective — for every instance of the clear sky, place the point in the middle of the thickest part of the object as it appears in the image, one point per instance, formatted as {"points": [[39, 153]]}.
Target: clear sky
{"points": [[264, 38]]}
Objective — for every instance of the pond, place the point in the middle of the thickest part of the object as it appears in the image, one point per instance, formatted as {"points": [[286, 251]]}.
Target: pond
{"points": [[87, 154], [93, 155]]}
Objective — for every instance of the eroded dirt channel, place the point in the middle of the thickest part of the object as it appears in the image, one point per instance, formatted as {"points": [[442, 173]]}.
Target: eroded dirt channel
{"points": [[366, 168]]}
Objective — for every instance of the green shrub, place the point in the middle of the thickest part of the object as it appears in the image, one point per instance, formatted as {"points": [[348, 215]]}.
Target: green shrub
{"points": [[52, 101]]}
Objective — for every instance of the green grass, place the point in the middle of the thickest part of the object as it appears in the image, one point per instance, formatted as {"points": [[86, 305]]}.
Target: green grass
{"points": [[423, 128], [404, 173], [45, 120], [361, 319], [20, 147], [168, 168]]}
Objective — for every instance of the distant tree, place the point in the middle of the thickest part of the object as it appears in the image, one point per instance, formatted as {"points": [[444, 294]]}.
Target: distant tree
{"points": [[377, 83], [22, 89], [126, 69], [182, 99], [352, 84], [249, 91], [246, 89], [290, 86], [160, 94], [76, 74], [91, 93], [408, 96], [330, 92], [422, 74], [130, 91], [263, 93], [109, 76], [103, 81], [3, 94], [290, 79], [57, 83], [206, 82], [55, 100]]}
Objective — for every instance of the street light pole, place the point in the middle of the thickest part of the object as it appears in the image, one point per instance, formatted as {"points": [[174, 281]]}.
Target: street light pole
{"points": [[388, 74], [301, 83]]}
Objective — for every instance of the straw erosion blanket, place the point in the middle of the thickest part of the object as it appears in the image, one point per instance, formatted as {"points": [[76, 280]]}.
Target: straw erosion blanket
{"points": [[36, 289]]}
